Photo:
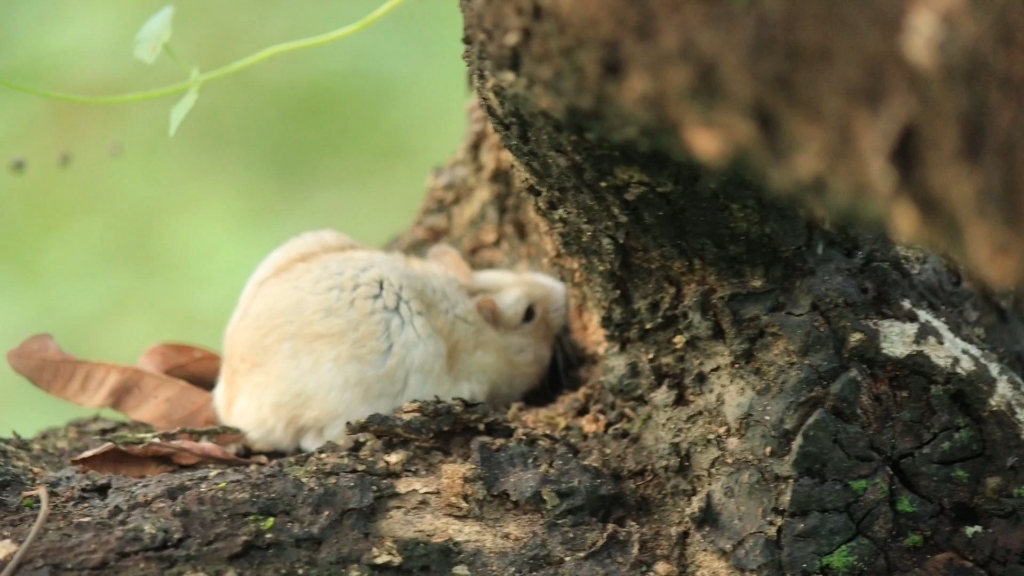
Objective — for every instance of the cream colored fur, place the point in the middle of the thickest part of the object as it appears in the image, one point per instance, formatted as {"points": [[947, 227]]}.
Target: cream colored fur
{"points": [[328, 331]]}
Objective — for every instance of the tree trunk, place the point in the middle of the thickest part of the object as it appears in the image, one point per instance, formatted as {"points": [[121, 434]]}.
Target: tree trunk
{"points": [[757, 392], [909, 111]]}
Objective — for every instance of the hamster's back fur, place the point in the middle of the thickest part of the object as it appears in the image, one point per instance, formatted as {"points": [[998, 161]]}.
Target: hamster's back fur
{"points": [[327, 331]]}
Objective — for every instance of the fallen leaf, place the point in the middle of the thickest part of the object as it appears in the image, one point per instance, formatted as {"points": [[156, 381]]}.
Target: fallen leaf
{"points": [[189, 453], [155, 399], [111, 459], [196, 366], [156, 457]]}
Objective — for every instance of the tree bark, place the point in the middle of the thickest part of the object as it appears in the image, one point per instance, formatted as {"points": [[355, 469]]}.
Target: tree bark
{"points": [[758, 391], [908, 112]]}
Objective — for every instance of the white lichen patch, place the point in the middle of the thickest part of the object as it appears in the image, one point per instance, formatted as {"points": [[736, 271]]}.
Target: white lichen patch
{"points": [[421, 512], [898, 339], [972, 531]]}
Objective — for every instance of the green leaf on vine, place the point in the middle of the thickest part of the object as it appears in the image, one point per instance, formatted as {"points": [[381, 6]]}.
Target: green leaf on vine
{"points": [[181, 109], [156, 32]]}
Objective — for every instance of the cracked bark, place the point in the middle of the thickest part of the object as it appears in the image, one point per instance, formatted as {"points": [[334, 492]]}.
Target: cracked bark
{"points": [[761, 392]]}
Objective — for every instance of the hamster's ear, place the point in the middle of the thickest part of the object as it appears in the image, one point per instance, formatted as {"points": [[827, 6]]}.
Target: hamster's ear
{"points": [[449, 258], [488, 308]]}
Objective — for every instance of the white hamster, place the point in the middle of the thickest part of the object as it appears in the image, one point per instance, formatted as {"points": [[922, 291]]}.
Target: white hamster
{"points": [[327, 331]]}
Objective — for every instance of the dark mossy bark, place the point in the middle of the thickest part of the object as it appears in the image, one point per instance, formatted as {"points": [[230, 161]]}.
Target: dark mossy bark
{"points": [[761, 392], [909, 112]]}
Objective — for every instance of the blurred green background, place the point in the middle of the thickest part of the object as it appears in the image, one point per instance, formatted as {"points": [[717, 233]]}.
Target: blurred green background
{"points": [[143, 238]]}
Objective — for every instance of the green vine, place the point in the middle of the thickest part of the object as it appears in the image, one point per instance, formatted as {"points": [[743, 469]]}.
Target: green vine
{"points": [[157, 31]]}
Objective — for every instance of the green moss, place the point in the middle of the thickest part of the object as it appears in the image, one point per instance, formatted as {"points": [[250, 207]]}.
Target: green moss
{"points": [[904, 505], [913, 541], [1018, 492], [882, 486], [859, 486], [28, 503], [131, 438], [947, 446], [222, 485], [299, 472], [961, 475], [841, 561], [265, 522]]}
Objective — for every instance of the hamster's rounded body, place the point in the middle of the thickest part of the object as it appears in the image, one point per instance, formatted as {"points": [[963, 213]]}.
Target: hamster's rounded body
{"points": [[328, 331]]}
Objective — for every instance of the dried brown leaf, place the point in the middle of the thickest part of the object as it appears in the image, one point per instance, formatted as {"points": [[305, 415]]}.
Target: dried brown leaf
{"points": [[112, 459], [194, 365], [156, 457], [155, 399], [189, 453]]}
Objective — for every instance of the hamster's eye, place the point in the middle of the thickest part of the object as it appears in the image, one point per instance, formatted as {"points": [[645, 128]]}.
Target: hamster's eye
{"points": [[529, 314]]}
